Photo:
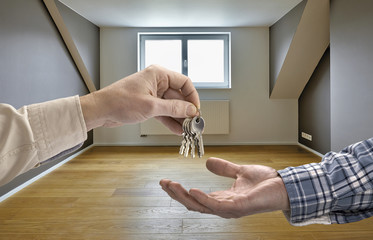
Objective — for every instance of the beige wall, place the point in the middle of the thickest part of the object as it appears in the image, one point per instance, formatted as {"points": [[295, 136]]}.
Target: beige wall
{"points": [[254, 119]]}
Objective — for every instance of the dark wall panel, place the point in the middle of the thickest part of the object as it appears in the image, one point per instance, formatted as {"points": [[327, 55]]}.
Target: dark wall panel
{"points": [[351, 56], [35, 65], [314, 108], [86, 38]]}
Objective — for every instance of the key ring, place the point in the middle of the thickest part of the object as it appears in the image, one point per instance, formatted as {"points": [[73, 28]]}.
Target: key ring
{"points": [[199, 114]]}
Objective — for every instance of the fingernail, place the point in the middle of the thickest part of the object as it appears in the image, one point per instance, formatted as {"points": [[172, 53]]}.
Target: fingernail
{"points": [[191, 110]]}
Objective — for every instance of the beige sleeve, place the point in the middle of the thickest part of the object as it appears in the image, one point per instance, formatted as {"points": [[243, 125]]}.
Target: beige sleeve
{"points": [[36, 133]]}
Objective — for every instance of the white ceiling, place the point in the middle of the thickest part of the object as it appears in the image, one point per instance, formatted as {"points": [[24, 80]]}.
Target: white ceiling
{"points": [[182, 13]]}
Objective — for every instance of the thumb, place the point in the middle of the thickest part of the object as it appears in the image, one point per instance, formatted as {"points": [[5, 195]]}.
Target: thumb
{"points": [[174, 108], [222, 167]]}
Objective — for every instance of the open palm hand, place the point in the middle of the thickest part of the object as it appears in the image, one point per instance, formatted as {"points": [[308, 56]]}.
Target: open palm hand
{"points": [[256, 189]]}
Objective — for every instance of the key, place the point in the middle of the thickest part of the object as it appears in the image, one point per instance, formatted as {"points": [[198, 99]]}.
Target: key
{"points": [[190, 133], [197, 127], [183, 144], [186, 130], [192, 144], [201, 149], [185, 134], [192, 137]]}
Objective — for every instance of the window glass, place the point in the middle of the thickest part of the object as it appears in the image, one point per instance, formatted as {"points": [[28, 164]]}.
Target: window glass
{"points": [[166, 53], [204, 57], [206, 60]]}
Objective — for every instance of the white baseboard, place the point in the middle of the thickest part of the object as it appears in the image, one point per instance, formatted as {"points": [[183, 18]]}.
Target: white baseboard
{"points": [[311, 150], [154, 144], [25, 184]]}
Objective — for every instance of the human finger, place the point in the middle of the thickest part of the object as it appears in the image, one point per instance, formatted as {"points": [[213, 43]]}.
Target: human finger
{"points": [[178, 192], [221, 207], [173, 108], [184, 198], [172, 124], [222, 167], [165, 186], [173, 94], [206, 200], [178, 81]]}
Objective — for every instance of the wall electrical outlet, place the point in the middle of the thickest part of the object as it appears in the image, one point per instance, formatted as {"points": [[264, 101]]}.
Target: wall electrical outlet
{"points": [[306, 136]]}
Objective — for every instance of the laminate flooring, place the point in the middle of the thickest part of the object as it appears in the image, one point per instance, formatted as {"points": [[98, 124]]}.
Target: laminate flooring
{"points": [[114, 193]]}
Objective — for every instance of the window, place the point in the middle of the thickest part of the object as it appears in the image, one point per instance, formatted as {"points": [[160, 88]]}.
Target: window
{"points": [[203, 57]]}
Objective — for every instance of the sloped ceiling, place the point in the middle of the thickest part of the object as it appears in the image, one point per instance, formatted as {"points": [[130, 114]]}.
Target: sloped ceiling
{"points": [[306, 49]]}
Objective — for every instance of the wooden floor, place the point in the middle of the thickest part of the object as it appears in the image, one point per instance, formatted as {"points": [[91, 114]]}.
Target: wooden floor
{"points": [[113, 193]]}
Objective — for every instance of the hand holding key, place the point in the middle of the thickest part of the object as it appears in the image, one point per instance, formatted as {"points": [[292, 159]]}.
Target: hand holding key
{"points": [[153, 92], [192, 137]]}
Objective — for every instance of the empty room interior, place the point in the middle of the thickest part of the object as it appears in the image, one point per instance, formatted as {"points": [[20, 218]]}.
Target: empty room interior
{"points": [[280, 83]]}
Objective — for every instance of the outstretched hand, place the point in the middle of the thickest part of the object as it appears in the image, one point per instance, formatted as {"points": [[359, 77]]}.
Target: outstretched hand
{"points": [[256, 189], [153, 92]]}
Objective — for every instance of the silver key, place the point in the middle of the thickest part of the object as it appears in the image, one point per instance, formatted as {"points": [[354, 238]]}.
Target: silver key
{"points": [[183, 144], [187, 138], [201, 149], [197, 127], [192, 142], [192, 137]]}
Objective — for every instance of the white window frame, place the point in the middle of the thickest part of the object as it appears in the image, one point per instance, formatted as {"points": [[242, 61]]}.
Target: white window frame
{"points": [[184, 36]]}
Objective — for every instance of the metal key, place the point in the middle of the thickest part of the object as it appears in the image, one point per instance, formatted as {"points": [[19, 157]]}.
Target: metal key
{"points": [[186, 131], [197, 127], [190, 134], [183, 144], [185, 140], [192, 145]]}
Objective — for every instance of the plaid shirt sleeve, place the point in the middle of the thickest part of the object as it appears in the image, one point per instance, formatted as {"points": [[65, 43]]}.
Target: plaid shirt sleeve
{"points": [[339, 189]]}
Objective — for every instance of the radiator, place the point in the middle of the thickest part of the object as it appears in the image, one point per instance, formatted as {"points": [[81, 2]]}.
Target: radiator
{"points": [[214, 112]]}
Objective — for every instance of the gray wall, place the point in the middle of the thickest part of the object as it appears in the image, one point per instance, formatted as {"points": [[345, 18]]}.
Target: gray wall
{"points": [[314, 108], [314, 102], [35, 65], [281, 35], [86, 37], [349, 86], [351, 57]]}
